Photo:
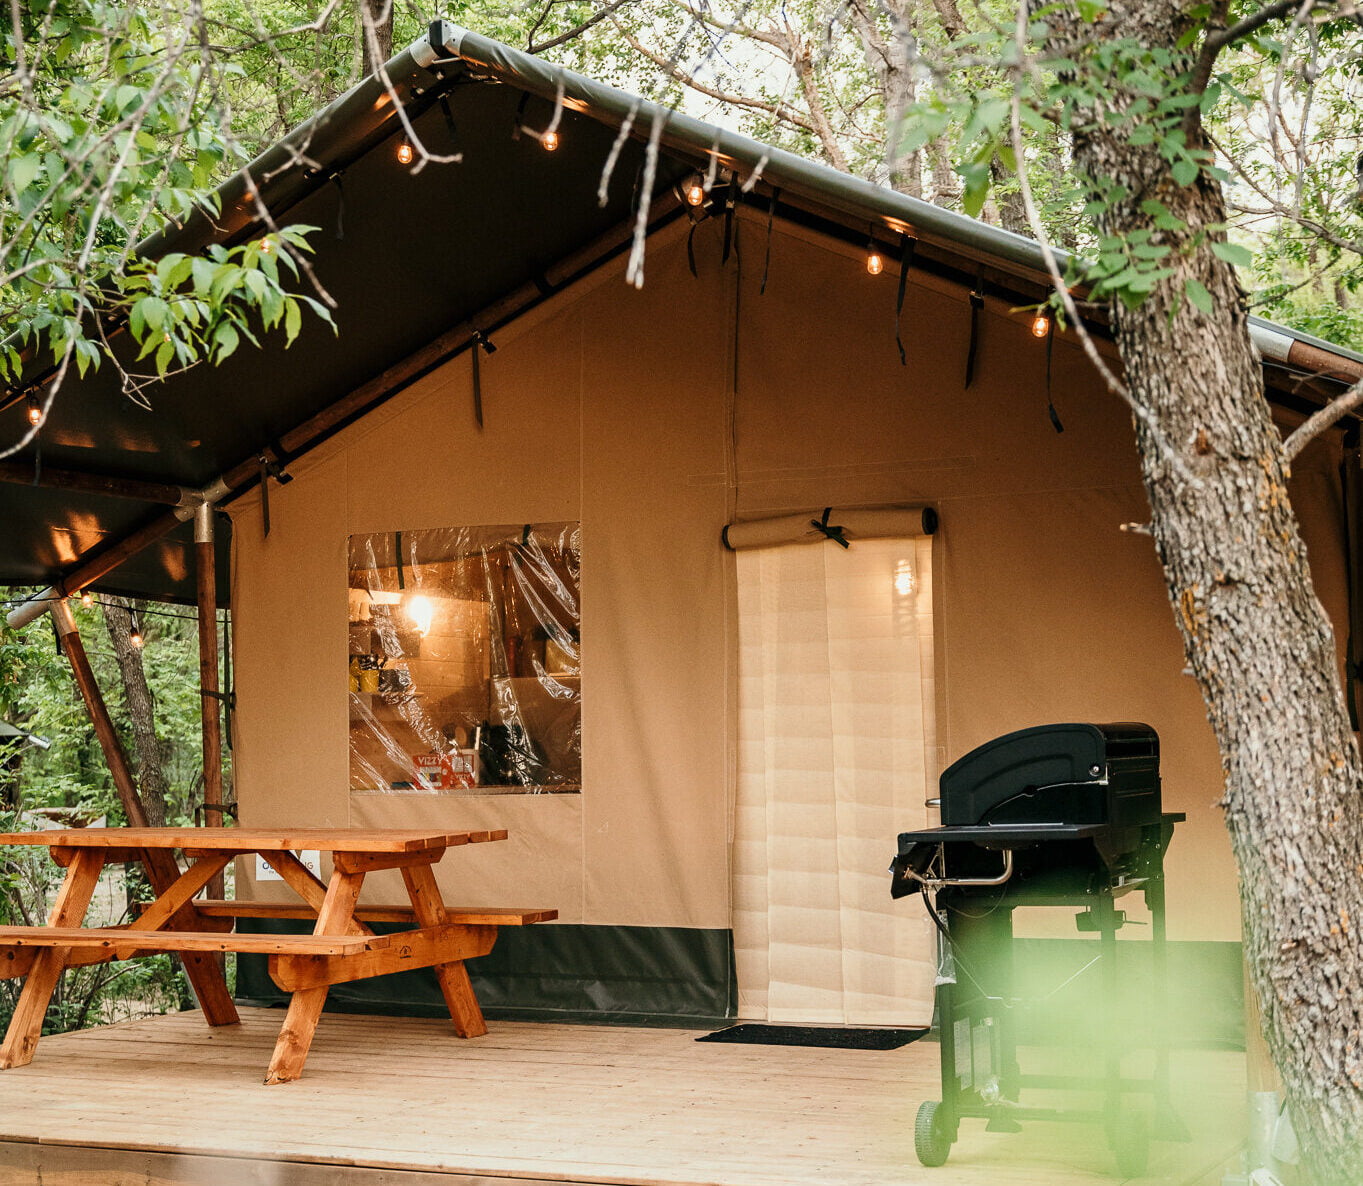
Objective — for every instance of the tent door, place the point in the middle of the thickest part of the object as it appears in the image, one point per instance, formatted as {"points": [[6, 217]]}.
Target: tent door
{"points": [[836, 738]]}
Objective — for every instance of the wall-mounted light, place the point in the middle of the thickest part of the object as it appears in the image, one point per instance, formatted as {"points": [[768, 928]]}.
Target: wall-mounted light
{"points": [[1041, 324], [405, 151], [35, 411]]}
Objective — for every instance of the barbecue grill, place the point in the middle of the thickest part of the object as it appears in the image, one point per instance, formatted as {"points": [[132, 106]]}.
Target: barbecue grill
{"points": [[1056, 815]]}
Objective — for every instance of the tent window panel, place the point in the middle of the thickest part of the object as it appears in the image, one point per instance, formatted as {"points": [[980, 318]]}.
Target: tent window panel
{"points": [[465, 660]]}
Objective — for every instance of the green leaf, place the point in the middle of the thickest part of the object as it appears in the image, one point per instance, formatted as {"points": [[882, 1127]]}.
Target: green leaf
{"points": [[1198, 295], [1233, 253], [1184, 170], [293, 321], [22, 170]]}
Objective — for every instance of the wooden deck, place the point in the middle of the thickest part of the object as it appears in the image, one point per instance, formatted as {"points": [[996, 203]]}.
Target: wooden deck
{"points": [[400, 1102]]}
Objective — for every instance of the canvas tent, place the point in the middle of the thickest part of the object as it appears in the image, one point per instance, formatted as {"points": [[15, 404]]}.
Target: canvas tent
{"points": [[755, 723]]}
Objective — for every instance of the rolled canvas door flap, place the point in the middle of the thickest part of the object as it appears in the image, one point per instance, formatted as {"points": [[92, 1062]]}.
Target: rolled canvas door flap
{"points": [[884, 522]]}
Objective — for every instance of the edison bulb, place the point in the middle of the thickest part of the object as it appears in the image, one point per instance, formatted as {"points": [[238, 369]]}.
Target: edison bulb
{"points": [[87, 598], [1041, 325], [35, 413], [420, 611], [136, 637], [266, 246], [550, 141], [405, 153], [875, 263], [695, 194]]}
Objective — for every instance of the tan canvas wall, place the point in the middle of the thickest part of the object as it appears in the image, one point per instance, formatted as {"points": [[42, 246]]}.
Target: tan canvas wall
{"points": [[646, 416]]}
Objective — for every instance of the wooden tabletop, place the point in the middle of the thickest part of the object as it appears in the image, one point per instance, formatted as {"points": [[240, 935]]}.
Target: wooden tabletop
{"points": [[359, 840]]}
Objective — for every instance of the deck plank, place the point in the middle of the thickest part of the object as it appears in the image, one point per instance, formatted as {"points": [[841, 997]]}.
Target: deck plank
{"points": [[534, 1103]]}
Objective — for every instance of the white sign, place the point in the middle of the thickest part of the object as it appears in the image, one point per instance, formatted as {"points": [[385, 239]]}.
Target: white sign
{"points": [[310, 857]]}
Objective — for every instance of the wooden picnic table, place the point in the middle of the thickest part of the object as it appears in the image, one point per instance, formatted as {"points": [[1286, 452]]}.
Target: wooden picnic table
{"points": [[341, 947]]}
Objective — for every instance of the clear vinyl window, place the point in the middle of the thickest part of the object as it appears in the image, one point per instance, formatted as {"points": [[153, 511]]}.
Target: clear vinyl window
{"points": [[465, 660]]}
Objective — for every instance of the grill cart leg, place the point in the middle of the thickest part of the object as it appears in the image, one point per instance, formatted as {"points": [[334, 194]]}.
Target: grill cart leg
{"points": [[1167, 1124], [1128, 1134]]}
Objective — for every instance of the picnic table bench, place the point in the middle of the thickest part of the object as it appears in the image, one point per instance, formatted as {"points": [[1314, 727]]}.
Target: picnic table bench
{"points": [[342, 946]]}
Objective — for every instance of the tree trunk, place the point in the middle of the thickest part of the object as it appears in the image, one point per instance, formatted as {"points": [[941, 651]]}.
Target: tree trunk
{"points": [[1257, 639], [376, 33], [151, 776]]}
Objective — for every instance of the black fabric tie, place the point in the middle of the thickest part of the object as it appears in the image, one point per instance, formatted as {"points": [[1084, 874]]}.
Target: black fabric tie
{"points": [[907, 247], [976, 304], [830, 530]]}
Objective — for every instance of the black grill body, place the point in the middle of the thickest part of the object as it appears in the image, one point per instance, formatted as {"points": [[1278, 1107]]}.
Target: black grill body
{"points": [[1056, 815]]}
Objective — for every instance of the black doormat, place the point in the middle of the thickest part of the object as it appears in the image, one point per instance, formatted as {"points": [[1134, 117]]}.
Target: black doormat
{"points": [[814, 1035]]}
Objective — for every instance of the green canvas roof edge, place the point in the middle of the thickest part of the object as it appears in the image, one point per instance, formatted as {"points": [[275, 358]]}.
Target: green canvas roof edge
{"points": [[852, 195]]}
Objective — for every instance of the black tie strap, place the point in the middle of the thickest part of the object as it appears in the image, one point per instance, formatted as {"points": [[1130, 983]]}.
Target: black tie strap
{"points": [[481, 344], [830, 530], [976, 304], [771, 218], [907, 247], [1050, 404]]}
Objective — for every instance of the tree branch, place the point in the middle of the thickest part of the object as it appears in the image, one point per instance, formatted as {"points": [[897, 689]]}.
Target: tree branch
{"points": [[1333, 412], [553, 42]]}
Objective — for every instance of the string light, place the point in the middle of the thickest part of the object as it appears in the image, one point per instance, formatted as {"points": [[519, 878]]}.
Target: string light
{"points": [[135, 634], [405, 153], [266, 245], [1041, 324], [550, 141], [695, 191], [87, 598], [35, 411], [875, 262]]}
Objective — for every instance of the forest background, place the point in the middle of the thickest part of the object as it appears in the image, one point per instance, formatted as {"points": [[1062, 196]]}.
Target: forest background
{"points": [[115, 118]]}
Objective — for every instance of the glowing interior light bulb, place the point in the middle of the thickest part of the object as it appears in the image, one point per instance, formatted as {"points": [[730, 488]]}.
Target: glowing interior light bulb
{"points": [[904, 579], [35, 412], [1041, 324], [550, 141], [695, 192], [420, 611], [405, 153], [875, 262]]}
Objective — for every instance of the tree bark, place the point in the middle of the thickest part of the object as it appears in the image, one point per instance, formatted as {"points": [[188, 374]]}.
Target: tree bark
{"points": [[1256, 637], [376, 33], [151, 775]]}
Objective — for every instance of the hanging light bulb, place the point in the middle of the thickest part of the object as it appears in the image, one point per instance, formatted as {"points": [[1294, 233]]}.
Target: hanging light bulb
{"points": [[875, 262], [695, 191], [266, 245], [420, 611], [87, 598], [1041, 324], [405, 152], [135, 634], [35, 411], [549, 140]]}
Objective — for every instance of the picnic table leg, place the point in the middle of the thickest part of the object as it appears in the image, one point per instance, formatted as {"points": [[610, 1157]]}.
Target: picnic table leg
{"points": [[453, 978], [202, 967], [305, 1007], [73, 899]]}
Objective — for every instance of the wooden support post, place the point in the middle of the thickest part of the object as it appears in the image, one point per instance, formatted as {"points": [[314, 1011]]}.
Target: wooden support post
{"points": [[210, 705], [114, 756]]}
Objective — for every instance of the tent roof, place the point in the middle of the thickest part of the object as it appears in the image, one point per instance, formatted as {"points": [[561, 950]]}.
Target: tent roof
{"points": [[419, 262]]}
